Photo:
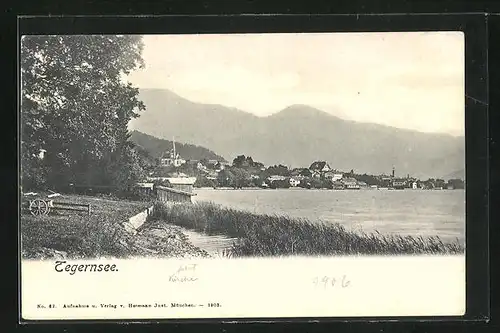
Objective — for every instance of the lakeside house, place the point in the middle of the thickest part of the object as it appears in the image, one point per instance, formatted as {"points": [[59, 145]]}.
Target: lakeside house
{"points": [[399, 184], [275, 178], [301, 172], [350, 183], [320, 166], [220, 166], [294, 181], [211, 174], [362, 184], [201, 167], [333, 176], [207, 166], [301, 177]]}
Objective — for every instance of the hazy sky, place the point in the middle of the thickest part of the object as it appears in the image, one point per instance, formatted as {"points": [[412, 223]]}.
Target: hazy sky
{"points": [[408, 80]]}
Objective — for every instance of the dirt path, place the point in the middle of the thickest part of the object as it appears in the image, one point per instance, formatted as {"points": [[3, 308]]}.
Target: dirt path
{"points": [[166, 241], [153, 240]]}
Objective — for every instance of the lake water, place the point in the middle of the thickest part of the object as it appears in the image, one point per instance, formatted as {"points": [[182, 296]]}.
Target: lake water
{"points": [[404, 212]]}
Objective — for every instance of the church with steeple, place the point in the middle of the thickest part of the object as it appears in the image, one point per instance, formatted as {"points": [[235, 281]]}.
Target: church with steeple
{"points": [[172, 158]]}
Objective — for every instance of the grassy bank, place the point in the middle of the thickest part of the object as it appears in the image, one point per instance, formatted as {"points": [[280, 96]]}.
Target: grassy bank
{"points": [[78, 235], [266, 235]]}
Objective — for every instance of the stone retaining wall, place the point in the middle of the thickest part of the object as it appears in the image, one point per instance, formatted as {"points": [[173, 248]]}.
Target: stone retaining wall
{"points": [[137, 220]]}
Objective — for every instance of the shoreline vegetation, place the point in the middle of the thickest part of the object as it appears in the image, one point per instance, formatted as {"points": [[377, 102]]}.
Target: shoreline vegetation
{"points": [[279, 235], [163, 235]]}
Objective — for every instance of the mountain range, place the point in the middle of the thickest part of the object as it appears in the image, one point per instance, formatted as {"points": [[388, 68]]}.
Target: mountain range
{"points": [[299, 135]]}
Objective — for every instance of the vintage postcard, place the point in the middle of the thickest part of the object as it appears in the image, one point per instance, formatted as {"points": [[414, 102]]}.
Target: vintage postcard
{"points": [[242, 175]]}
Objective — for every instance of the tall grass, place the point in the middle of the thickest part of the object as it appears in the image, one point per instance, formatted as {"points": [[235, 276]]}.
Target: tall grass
{"points": [[276, 235], [78, 236]]}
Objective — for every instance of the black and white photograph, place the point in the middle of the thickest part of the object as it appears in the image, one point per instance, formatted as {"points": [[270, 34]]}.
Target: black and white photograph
{"points": [[227, 147]]}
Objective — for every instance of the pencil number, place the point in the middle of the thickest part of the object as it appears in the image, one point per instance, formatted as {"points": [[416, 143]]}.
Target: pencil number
{"points": [[331, 281]]}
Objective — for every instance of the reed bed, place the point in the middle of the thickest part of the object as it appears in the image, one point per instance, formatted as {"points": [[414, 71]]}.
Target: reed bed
{"points": [[280, 235]]}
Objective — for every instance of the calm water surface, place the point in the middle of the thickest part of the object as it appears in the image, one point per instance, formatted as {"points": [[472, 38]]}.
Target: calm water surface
{"points": [[403, 212]]}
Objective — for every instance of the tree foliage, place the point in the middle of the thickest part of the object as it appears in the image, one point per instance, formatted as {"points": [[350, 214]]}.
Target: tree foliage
{"points": [[305, 172], [225, 178], [370, 179], [234, 177], [76, 105], [281, 183], [242, 161], [241, 178], [279, 170], [202, 181], [456, 183]]}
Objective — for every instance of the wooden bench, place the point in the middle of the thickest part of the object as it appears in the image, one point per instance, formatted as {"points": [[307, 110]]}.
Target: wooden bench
{"points": [[57, 205]]}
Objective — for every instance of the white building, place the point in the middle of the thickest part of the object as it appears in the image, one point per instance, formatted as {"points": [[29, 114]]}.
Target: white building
{"points": [[221, 165], [275, 177], [336, 177], [172, 160], [294, 182], [201, 167]]}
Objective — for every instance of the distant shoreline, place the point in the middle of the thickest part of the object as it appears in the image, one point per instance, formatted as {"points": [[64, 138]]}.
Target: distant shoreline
{"points": [[321, 189]]}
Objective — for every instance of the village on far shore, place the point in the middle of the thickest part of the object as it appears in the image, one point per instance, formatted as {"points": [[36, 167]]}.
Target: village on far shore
{"points": [[244, 172]]}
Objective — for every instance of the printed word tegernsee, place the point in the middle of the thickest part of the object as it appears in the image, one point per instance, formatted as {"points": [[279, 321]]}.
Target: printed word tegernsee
{"points": [[63, 266]]}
